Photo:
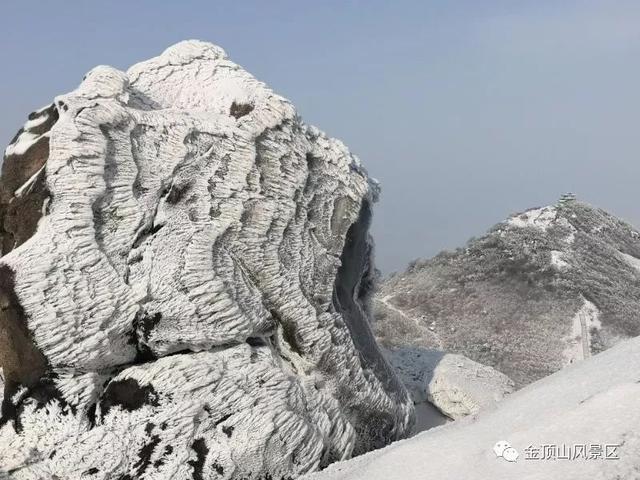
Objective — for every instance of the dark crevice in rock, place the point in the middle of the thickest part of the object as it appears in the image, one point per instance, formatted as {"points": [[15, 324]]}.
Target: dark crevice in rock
{"points": [[91, 414], [143, 234], [348, 289], [218, 468], [222, 419], [128, 394], [145, 322], [102, 207], [168, 450], [238, 110], [314, 164], [146, 229], [351, 293], [177, 193], [41, 393], [142, 325], [200, 447], [261, 159], [143, 353], [256, 341], [137, 133], [144, 456], [46, 390], [170, 193], [288, 332], [9, 412]]}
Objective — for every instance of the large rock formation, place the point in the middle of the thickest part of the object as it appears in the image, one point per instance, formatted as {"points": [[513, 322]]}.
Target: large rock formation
{"points": [[544, 289], [185, 284]]}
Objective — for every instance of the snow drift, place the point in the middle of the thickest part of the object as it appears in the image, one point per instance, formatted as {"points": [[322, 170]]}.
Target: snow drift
{"points": [[587, 412]]}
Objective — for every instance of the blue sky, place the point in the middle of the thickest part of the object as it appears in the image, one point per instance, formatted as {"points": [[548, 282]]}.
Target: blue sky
{"points": [[466, 111]]}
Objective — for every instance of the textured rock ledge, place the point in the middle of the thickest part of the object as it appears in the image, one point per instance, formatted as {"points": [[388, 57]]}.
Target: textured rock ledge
{"points": [[185, 284]]}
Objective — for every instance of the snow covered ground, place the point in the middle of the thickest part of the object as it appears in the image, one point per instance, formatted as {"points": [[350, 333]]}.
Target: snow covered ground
{"points": [[631, 260], [537, 217], [557, 260], [589, 409], [455, 385]]}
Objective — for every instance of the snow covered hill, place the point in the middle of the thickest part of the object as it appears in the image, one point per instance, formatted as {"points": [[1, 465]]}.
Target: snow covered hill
{"points": [[541, 290], [587, 412]]}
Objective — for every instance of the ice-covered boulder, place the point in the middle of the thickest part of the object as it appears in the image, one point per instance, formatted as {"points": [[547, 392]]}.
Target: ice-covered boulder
{"points": [[185, 283], [454, 384]]}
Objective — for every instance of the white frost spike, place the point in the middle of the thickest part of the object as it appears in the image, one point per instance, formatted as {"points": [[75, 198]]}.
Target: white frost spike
{"points": [[191, 210]]}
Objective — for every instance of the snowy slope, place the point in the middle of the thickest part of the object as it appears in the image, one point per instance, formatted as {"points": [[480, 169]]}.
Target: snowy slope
{"points": [[453, 384], [592, 402]]}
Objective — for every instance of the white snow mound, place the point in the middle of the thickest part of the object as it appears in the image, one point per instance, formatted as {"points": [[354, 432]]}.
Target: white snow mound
{"points": [[589, 409]]}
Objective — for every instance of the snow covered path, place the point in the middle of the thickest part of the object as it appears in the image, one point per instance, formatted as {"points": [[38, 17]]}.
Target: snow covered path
{"points": [[586, 318], [392, 307]]}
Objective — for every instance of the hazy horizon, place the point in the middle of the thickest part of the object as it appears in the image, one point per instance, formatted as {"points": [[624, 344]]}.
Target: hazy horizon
{"points": [[466, 112]]}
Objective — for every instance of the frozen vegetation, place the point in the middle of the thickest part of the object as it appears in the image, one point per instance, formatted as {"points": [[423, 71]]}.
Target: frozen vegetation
{"points": [[541, 290]]}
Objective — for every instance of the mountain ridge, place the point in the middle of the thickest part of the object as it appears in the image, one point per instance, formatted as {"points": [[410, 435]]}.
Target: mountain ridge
{"points": [[540, 290]]}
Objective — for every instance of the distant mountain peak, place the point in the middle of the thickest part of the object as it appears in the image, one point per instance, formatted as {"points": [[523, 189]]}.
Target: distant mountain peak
{"points": [[542, 289]]}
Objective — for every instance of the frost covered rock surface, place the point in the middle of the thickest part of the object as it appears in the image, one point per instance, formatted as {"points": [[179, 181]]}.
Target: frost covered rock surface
{"points": [[542, 290], [452, 383], [582, 409], [188, 295]]}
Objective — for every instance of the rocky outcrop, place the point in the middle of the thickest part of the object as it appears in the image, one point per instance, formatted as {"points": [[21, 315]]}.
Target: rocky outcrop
{"points": [[542, 290], [23, 190], [188, 294], [452, 383]]}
